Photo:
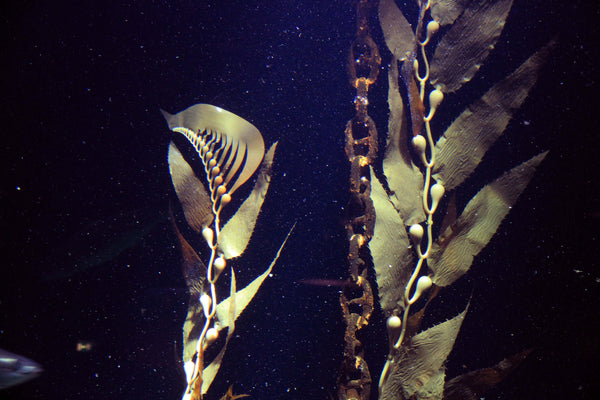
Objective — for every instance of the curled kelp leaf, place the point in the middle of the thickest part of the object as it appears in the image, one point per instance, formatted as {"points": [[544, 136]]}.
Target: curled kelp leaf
{"points": [[397, 32], [236, 233], [452, 256], [445, 12], [465, 142], [421, 360], [390, 248], [194, 199], [468, 43], [404, 179]]}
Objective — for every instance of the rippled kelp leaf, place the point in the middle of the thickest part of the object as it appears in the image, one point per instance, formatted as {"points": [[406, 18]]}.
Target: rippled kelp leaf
{"points": [[465, 142], [446, 11], [421, 360], [390, 248], [467, 44], [452, 254]]}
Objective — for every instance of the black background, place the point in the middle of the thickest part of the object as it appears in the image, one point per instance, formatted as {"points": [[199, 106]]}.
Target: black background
{"points": [[84, 158]]}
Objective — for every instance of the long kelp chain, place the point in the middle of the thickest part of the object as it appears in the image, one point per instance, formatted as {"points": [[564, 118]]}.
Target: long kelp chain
{"points": [[354, 381]]}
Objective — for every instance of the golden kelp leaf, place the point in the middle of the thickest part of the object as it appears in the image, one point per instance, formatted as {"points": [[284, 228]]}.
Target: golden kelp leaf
{"points": [[467, 44], [397, 32], [472, 385], [478, 223], [244, 296], [235, 144], [421, 360], [390, 249], [403, 177], [446, 11], [194, 199], [465, 142], [236, 233]]}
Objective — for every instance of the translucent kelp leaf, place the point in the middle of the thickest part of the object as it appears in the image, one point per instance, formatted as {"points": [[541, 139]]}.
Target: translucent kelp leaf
{"points": [[234, 144], [390, 249], [465, 142], [194, 199], [236, 233], [403, 177], [421, 360], [397, 32], [472, 385], [452, 254], [467, 44], [244, 296], [446, 11]]}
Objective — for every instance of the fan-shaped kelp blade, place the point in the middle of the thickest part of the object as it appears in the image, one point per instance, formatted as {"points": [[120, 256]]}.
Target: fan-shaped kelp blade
{"points": [[234, 142], [465, 142], [452, 254], [468, 43], [236, 233], [422, 360], [194, 199], [390, 249]]}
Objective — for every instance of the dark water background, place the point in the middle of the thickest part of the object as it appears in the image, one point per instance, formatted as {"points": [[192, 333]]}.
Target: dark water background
{"points": [[88, 254]]}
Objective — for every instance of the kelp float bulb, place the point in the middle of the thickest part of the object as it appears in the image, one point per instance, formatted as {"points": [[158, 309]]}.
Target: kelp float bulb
{"points": [[394, 323], [435, 98], [206, 302], [432, 28], [225, 199], [219, 265], [208, 234], [437, 192], [211, 335], [222, 193], [423, 284], [419, 144], [416, 233]]}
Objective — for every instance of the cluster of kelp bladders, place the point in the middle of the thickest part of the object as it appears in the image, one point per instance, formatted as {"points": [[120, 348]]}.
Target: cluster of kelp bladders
{"points": [[230, 150], [409, 261]]}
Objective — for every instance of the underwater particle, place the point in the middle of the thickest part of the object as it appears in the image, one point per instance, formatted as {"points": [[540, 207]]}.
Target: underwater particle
{"points": [[84, 346]]}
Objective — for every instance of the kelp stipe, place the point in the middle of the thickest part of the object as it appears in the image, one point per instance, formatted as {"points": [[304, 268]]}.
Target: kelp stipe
{"points": [[409, 261], [230, 150]]}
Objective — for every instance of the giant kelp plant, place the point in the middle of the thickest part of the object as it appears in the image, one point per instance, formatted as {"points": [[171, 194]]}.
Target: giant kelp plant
{"points": [[390, 218]]}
